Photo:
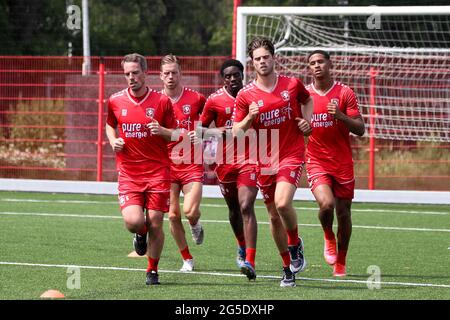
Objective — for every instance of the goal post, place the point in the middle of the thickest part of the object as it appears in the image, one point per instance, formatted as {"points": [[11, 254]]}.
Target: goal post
{"points": [[407, 48]]}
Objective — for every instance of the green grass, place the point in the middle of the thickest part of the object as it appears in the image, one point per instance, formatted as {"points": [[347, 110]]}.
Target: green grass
{"points": [[405, 257]]}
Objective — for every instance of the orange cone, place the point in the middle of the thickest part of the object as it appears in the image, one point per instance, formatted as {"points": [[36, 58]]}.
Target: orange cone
{"points": [[52, 294], [133, 254]]}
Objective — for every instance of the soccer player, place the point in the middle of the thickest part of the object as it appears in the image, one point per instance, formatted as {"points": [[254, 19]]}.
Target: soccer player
{"points": [[237, 180], [329, 163], [186, 168], [138, 127], [270, 105]]}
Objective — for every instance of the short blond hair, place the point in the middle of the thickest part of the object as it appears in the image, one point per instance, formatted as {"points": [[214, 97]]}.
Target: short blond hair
{"points": [[135, 57], [169, 59]]}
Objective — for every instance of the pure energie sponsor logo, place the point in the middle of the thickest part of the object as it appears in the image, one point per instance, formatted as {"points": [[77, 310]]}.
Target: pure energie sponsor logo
{"points": [[135, 130], [322, 120]]}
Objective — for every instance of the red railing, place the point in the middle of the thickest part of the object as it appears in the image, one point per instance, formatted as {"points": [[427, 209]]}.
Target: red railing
{"points": [[52, 125]]}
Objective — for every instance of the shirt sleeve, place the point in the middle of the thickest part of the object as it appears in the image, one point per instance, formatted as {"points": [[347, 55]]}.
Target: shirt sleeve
{"points": [[208, 115], [111, 119], [169, 120], [240, 109], [351, 103], [201, 103], [302, 94]]}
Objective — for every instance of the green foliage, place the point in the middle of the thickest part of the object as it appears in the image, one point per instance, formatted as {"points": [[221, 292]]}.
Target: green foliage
{"points": [[188, 27], [31, 124]]}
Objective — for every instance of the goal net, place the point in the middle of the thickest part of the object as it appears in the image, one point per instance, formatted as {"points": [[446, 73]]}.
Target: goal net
{"points": [[399, 54]]}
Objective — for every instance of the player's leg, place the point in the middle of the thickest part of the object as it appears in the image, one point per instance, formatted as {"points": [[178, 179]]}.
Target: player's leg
{"points": [[229, 192], [344, 232], [278, 231], [280, 238], [325, 199], [228, 176], [156, 244], [133, 216], [191, 208], [284, 195], [247, 196], [156, 204], [177, 228], [344, 188]]}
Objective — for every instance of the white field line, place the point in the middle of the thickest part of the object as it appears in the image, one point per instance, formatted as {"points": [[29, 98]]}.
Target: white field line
{"points": [[94, 216], [409, 284], [224, 206]]}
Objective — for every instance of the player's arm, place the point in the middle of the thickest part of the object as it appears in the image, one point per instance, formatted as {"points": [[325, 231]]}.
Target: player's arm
{"points": [[354, 124], [307, 108], [351, 117], [242, 126], [158, 130], [116, 143]]}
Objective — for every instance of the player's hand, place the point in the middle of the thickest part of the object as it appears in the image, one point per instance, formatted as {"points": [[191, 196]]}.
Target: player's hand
{"points": [[193, 137], [334, 110], [118, 144], [253, 110], [154, 127], [304, 126]]}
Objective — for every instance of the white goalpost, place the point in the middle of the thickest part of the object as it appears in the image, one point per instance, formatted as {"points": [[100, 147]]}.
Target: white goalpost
{"points": [[403, 51], [397, 60]]}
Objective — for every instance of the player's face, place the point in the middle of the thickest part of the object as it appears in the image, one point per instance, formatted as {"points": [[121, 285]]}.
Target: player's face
{"points": [[232, 78], [170, 75], [319, 66], [134, 75], [263, 61]]}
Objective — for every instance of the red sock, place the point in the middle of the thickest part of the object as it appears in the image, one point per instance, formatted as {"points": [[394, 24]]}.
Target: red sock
{"points": [[143, 230], [293, 237], [250, 254], [241, 240], [329, 234], [341, 255], [185, 253], [286, 258], [152, 264]]}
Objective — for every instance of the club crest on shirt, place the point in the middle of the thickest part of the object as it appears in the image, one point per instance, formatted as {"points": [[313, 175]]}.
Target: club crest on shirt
{"points": [[149, 112], [335, 101], [285, 95], [186, 109], [227, 110], [260, 103], [124, 112]]}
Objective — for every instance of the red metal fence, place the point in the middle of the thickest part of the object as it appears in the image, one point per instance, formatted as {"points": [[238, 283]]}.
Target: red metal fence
{"points": [[50, 126]]}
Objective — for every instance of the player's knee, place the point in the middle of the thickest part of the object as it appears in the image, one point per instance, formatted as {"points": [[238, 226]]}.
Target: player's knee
{"points": [[283, 207], [192, 213], [246, 207], [343, 214], [327, 205], [275, 219], [174, 216], [134, 224]]}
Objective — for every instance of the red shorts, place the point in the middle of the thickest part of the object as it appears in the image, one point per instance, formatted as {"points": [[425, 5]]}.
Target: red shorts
{"points": [[290, 173], [342, 185], [232, 177], [183, 174], [151, 195]]}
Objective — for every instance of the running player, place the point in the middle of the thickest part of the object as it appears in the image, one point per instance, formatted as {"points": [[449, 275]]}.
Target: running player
{"points": [[270, 106], [237, 180], [138, 129], [329, 162], [186, 168]]}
